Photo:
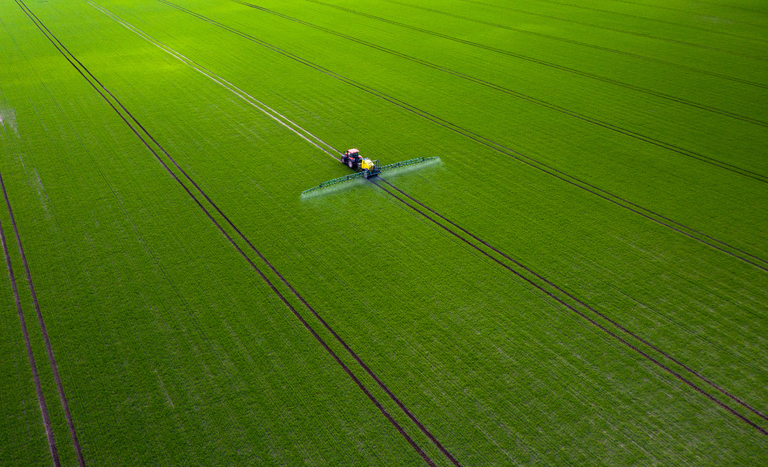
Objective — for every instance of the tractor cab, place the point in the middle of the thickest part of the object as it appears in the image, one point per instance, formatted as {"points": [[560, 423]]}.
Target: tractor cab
{"points": [[352, 158]]}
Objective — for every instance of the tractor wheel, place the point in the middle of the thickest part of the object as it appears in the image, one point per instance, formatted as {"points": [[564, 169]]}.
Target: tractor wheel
{"points": [[350, 163]]}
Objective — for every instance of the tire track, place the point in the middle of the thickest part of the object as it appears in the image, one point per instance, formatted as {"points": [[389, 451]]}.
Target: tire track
{"points": [[640, 89], [48, 348], [41, 321], [519, 95], [710, 241], [184, 303], [33, 366], [558, 296], [70, 57], [622, 31], [591, 46], [669, 23]]}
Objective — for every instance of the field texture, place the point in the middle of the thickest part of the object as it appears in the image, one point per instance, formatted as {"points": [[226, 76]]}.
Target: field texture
{"points": [[582, 278]]}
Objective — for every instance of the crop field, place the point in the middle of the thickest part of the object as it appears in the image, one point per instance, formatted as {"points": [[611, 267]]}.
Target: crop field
{"points": [[581, 278]]}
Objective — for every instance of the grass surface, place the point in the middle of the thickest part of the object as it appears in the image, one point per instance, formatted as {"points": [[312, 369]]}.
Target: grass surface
{"points": [[610, 152]]}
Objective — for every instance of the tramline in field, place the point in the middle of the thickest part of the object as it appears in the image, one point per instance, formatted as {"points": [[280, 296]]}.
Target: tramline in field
{"points": [[365, 168]]}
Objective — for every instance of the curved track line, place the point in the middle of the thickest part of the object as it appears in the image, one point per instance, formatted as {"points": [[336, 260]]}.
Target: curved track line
{"points": [[565, 69], [33, 366], [590, 320], [533, 100], [584, 44], [413, 444], [520, 157], [622, 31]]}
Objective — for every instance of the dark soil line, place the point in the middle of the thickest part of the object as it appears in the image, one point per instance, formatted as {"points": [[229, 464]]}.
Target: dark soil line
{"points": [[312, 331], [530, 99], [30, 356], [593, 322], [537, 61], [591, 46], [622, 31], [48, 347], [661, 21], [616, 324], [520, 157]]}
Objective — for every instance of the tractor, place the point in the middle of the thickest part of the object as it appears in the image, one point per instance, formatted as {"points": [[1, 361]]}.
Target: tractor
{"points": [[353, 160]]}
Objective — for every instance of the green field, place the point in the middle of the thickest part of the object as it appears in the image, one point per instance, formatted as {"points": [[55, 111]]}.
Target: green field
{"points": [[581, 279]]}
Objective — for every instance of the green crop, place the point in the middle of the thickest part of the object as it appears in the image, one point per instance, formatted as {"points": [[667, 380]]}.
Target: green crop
{"points": [[591, 245]]}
